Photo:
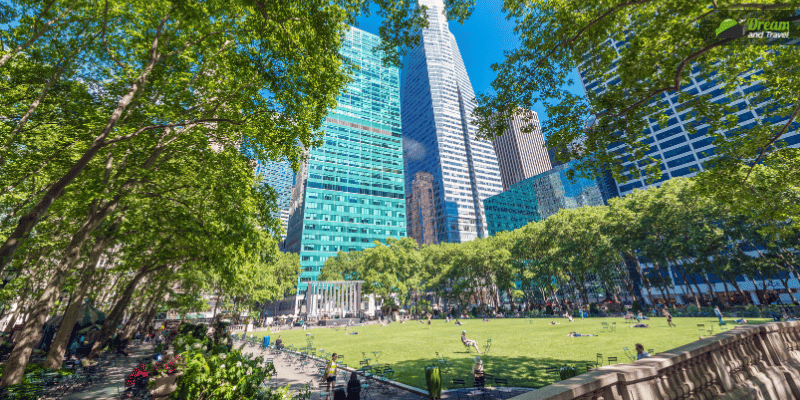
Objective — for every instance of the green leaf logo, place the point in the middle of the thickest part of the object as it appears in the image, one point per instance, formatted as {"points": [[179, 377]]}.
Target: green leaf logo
{"points": [[724, 25]]}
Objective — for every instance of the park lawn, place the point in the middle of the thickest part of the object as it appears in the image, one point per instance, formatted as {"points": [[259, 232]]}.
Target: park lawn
{"points": [[521, 348]]}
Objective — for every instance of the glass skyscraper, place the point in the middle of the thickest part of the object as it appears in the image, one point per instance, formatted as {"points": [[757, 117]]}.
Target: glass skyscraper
{"points": [[279, 176], [439, 134], [541, 196], [350, 191]]}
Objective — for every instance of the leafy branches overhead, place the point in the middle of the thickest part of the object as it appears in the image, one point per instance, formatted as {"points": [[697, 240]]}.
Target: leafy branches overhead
{"points": [[632, 54]]}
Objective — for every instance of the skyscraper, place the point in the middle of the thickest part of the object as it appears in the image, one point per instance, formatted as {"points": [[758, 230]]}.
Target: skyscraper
{"points": [[439, 134], [541, 196], [521, 155], [679, 152], [279, 176], [421, 209], [350, 191]]}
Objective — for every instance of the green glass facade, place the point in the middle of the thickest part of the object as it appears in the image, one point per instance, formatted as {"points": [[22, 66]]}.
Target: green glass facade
{"points": [[541, 196], [351, 191]]}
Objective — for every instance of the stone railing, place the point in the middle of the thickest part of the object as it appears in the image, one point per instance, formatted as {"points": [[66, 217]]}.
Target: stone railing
{"points": [[746, 362]]}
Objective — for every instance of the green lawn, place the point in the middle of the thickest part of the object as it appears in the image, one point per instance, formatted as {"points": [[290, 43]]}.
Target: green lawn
{"points": [[521, 348]]}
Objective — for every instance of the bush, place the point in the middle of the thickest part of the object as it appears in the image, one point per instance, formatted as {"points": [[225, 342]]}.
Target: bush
{"points": [[636, 307], [567, 372], [548, 310], [593, 309]]}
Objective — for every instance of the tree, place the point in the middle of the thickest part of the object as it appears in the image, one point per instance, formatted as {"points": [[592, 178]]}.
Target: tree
{"points": [[665, 45]]}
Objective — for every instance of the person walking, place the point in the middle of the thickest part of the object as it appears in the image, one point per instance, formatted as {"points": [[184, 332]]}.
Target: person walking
{"points": [[718, 313], [330, 372], [668, 316]]}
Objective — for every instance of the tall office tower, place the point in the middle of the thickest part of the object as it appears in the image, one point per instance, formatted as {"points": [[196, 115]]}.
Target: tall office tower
{"points": [[279, 176], [681, 153], [420, 209], [440, 135], [521, 155], [350, 192]]}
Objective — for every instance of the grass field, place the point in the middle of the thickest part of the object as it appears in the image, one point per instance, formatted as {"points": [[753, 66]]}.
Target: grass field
{"points": [[521, 348]]}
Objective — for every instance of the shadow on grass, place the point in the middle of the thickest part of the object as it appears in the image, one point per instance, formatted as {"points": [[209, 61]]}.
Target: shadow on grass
{"points": [[520, 371]]}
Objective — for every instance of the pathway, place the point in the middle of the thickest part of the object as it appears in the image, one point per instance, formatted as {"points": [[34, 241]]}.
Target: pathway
{"points": [[288, 373], [116, 371]]}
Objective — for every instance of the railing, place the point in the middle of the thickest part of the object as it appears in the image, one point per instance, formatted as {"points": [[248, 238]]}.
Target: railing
{"points": [[747, 362]]}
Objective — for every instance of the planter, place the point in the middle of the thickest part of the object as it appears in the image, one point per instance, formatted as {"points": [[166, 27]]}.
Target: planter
{"points": [[163, 386], [434, 380]]}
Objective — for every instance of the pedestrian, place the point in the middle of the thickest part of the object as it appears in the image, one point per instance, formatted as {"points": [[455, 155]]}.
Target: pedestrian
{"points": [[330, 372], [353, 387], [640, 353], [718, 313], [668, 316]]}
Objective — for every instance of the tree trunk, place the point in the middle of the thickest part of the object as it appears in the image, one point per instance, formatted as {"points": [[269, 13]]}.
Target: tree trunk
{"points": [[28, 221], [13, 320], [60, 342], [31, 334], [735, 284], [759, 294], [114, 317]]}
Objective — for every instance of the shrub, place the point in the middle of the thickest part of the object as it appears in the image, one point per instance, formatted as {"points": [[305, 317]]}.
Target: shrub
{"points": [[636, 307], [548, 310], [567, 372], [593, 309]]}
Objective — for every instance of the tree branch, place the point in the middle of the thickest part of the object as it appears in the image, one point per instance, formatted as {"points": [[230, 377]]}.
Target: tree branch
{"points": [[191, 123], [773, 140]]}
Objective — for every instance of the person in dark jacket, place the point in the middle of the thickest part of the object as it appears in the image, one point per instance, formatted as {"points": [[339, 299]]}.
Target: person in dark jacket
{"points": [[353, 387]]}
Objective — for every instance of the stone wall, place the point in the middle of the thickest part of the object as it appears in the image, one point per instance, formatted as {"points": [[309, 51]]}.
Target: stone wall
{"points": [[746, 362]]}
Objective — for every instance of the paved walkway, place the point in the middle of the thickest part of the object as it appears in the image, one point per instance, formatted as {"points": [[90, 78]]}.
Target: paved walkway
{"points": [[116, 370], [288, 373]]}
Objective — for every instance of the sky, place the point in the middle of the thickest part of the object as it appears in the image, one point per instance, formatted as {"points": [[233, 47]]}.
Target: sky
{"points": [[481, 40]]}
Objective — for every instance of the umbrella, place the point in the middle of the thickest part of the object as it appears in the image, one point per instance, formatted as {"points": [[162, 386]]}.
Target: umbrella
{"points": [[91, 328], [87, 316]]}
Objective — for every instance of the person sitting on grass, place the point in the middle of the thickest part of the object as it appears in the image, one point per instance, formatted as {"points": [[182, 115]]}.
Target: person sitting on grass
{"points": [[468, 342], [741, 321], [574, 334], [553, 323], [640, 325], [458, 323]]}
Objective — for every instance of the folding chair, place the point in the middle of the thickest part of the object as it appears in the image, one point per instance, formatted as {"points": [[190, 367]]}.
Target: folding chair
{"points": [[502, 388], [599, 360], [553, 371], [651, 351], [590, 366], [612, 360], [487, 347], [458, 382], [489, 378], [605, 325], [613, 327], [629, 354]]}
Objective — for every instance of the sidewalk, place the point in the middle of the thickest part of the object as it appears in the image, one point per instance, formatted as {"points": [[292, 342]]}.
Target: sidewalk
{"points": [[116, 373]]}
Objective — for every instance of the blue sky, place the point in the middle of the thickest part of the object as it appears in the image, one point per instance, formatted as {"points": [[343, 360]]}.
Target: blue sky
{"points": [[481, 40]]}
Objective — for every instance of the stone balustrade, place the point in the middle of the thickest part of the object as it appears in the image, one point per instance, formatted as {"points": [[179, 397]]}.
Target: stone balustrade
{"points": [[746, 362]]}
